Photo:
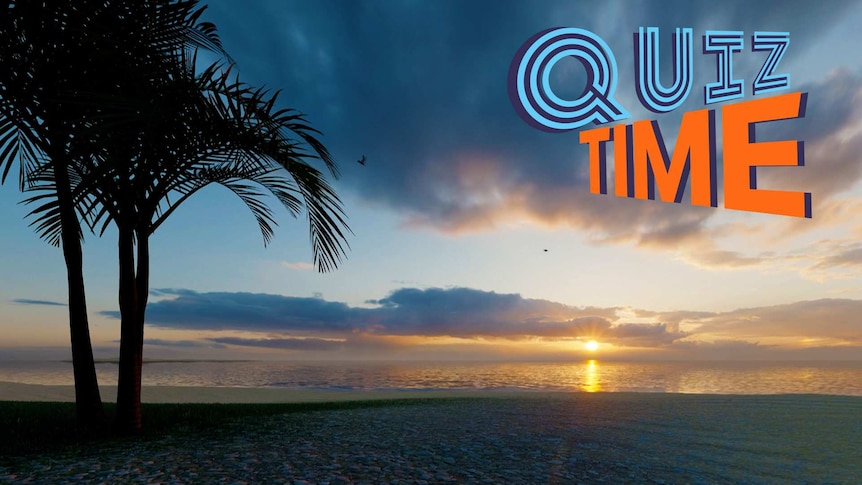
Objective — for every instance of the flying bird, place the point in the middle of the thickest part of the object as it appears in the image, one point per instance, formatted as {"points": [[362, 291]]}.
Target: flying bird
{"points": [[546, 250], [361, 161]]}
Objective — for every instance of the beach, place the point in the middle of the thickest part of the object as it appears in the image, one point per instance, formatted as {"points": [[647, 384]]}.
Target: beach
{"points": [[481, 437]]}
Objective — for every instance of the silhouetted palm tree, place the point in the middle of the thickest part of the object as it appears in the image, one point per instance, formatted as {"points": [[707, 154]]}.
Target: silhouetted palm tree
{"points": [[165, 135], [57, 57]]}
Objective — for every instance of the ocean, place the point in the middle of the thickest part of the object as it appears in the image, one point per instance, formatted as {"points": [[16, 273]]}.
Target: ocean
{"points": [[834, 378]]}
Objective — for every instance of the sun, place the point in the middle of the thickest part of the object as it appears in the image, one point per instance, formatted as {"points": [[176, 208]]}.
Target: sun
{"points": [[592, 346]]}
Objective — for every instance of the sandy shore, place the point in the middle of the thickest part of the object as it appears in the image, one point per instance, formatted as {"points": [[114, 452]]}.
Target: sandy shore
{"points": [[518, 437]]}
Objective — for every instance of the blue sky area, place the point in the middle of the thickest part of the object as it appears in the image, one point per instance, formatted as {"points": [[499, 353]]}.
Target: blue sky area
{"points": [[460, 198]]}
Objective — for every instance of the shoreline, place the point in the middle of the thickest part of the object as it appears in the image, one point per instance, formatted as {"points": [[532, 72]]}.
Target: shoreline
{"points": [[520, 437], [13, 391]]}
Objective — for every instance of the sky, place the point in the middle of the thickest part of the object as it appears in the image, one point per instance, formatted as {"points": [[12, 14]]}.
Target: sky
{"points": [[475, 234]]}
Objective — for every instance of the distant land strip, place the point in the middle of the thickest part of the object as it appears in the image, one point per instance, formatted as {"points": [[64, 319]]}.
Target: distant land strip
{"points": [[170, 361]]}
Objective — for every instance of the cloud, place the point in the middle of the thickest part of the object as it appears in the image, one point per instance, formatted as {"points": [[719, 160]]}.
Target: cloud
{"points": [[847, 258], [827, 319], [416, 317], [706, 254], [741, 350], [190, 344], [832, 155], [282, 343], [641, 335], [301, 266], [408, 312], [422, 92], [170, 292], [475, 314], [674, 318], [247, 311], [25, 301], [451, 155], [722, 349]]}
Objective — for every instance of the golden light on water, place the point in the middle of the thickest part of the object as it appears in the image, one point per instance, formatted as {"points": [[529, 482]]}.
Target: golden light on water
{"points": [[592, 346], [591, 377]]}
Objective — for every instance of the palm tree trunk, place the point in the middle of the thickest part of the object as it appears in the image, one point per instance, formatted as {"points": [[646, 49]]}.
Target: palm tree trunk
{"points": [[142, 288], [131, 339], [88, 401], [142, 280]]}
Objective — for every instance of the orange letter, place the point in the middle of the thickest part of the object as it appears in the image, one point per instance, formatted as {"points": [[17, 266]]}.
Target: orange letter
{"points": [[598, 175], [694, 152], [742, 155], [623, 161]]}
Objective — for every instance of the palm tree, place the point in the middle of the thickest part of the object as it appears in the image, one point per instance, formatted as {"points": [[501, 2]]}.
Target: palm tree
{"points": [[100, 105], [37, 124], [235, 137], [57, 58], [167, 136]]}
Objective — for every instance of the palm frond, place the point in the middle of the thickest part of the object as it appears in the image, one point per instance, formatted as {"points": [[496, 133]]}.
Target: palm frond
{"points": [[17, 145], [46, 217], [151, 128]]}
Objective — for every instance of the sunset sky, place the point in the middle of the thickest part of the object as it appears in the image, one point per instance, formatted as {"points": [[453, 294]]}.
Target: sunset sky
{"points": [[460, 198]]}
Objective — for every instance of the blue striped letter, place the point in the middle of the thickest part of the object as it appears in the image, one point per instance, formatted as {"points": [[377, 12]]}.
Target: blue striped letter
{"points": [[776, 43], [723, 43], [653, 95]]}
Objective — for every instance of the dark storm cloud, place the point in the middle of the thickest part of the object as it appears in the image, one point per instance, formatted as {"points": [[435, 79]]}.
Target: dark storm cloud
{"points": [[420, 88], [26, 301]]}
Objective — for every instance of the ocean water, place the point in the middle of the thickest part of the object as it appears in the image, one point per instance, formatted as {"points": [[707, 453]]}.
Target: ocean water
{"points": [[837, 378]]}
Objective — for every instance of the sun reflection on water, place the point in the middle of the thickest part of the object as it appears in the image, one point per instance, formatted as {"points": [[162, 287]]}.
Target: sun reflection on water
{"points": [[591, 377]]}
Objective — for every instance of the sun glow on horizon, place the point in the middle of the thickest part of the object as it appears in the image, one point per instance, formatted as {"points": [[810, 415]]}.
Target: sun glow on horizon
{"points": [[592, 345]]}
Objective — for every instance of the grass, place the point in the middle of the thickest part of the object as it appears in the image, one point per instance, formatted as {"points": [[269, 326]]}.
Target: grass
{"points": [[28, 428]]}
